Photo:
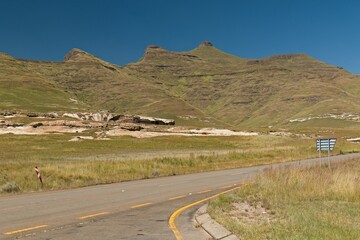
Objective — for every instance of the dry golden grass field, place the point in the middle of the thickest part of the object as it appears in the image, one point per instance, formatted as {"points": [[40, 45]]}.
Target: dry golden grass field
{"points": [[304, 203]]}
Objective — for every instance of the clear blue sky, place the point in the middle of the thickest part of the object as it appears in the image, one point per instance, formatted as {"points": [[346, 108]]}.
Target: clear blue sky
{"points": [[119, 31]]}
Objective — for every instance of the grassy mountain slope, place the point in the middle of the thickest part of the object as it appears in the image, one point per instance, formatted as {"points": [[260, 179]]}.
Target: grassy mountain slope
{"points": [[205, 82], [251, 92], [96, 84], [22, 89]]}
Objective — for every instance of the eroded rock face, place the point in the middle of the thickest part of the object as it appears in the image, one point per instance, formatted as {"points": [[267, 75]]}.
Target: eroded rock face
{"points": [[7, 113], [32, 115], [153, 47], [106, 117], [51, 115], [154, 52], [97, 117], [206, 44], [122, 118], [151, 120], [75, 55], [72, 115], [5, 124], [132, 127], [73, 124]]}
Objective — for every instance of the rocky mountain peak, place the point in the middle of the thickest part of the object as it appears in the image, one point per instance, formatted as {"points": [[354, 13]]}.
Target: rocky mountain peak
{"points": [[73, 54], [78, 55], [153, 48], [206, 44], [153, 51]]}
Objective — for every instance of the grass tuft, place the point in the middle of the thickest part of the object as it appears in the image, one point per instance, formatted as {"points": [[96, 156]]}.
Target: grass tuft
{"points": [[9, 187]]}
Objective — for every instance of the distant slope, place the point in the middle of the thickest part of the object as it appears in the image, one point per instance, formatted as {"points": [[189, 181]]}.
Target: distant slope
{"points": [[22, 89], [96, 84], [206, 83], [248, 92]]}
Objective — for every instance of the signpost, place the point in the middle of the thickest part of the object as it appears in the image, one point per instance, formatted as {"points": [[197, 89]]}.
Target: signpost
{"points": [[325, 144], [38, 174]]}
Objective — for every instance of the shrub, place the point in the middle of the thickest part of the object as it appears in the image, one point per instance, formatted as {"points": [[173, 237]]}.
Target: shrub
{"points": [[9, 187]]}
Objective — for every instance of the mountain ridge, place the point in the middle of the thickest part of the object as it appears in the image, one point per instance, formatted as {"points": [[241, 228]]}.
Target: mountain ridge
{"points": [[207, 83]]}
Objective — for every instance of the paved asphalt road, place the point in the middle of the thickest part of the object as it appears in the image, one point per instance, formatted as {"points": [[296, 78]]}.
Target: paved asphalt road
{"points": [[129, 210]]}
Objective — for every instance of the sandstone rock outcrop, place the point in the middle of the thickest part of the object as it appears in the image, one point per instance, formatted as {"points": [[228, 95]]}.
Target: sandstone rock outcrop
{"points": [[76, 55], [97, 117], [151, 120], [206, 44]]}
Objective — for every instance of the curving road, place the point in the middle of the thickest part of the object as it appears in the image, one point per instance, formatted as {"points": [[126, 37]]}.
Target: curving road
{"points": [[129, 210]]}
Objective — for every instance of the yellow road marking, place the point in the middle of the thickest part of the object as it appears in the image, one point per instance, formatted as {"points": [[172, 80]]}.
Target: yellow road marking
{"points": [[25, 229], [173, 216], [140, 205], [173, 198], [226, 187], [93, 215], [205, 191]]}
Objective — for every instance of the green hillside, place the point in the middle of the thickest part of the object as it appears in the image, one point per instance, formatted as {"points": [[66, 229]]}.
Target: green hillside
{"points": [[22, 89], [250, 92], [206, 83]]}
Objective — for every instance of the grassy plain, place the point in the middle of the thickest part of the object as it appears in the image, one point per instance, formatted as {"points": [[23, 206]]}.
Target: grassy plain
{"points": [[65, 164], [310, 203]]}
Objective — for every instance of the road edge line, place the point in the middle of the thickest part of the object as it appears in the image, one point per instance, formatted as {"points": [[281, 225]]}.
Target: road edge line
{"points": [[93, 215], [25, 229], [177, 197], [140, 205], [175, 214]]}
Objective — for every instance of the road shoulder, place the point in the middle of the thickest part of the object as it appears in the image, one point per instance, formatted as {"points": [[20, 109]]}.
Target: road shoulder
{"points": [[210, 226]]}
